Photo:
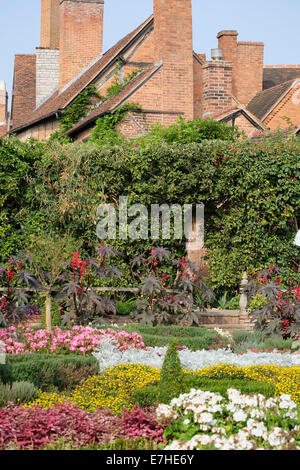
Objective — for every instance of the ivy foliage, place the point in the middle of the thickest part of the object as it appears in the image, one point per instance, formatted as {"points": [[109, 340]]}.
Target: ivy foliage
{"points": [[18, 166], [85, 102], [250, 190], [188, 132], [117, 84], [77, 110], [106, 130]]}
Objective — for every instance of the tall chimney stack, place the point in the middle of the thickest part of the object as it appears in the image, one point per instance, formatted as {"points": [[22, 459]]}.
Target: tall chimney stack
{"points": [[173, 37], [81, 36], [227, 41], [47, 55], [50, 24]]}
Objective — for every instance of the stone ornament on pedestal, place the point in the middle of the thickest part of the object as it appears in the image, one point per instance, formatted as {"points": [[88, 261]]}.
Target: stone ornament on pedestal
{"points": [[244, 314]]}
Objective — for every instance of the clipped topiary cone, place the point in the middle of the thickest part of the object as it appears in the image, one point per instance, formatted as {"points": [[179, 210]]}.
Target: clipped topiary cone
{"points": [[171, 376]]}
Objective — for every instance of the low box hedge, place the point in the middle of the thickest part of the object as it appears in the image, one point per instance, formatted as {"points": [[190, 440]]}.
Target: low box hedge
{"points": [[48, 371]]}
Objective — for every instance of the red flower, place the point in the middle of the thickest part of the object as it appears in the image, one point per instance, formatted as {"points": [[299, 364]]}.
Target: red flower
{"points": [[10, 273], [76, 260]]}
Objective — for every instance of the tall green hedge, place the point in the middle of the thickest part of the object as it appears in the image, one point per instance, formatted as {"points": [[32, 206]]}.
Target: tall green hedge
{"points": [[251, 193]]}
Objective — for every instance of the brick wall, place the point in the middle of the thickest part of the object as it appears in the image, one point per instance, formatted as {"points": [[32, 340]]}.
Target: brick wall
{"points": [[137, 124], [81, 36], [3, 130], [145, 51], [250, 65], [47, 73], [173, 44], [288, 107], [245, 125], [217, 87], [198, 88]]}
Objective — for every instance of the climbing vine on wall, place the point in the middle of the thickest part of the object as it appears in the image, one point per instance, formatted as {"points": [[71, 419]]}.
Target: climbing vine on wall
{"points": [[106, 128], [83, 104], [77, 110]]}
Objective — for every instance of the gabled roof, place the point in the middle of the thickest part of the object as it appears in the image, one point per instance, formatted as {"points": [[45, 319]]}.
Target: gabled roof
{"points": [[115, 102], [240, 109], [24, 91], [275, 75], [263, 103], [59, 101]]}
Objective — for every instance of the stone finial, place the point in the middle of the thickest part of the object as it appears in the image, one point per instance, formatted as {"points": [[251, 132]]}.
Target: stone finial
{"points": [[244, 298]]}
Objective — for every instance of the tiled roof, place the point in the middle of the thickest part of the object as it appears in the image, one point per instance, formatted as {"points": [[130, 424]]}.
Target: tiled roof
{"points": [[234, 112], [59, 101], [262, 103], [23, 100], [276, 75], [117, 100]]}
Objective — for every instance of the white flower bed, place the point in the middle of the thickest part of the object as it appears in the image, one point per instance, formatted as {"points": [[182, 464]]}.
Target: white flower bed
{"points": [[109, 355], [239, 422]]}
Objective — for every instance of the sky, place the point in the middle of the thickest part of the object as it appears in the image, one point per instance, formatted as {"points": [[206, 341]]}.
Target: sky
{"points": [[274, 22]]}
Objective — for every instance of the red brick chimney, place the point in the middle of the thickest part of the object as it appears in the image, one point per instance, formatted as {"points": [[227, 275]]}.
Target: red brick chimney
{"points": [[173, 37], [217, 87], [228, 43], [81, 36], [247, 60], [50, 24], [250, 69]]}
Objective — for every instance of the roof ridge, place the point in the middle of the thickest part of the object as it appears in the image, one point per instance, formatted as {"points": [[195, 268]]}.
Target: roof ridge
{"points": [[111, 104], [276, 86], [58, 102]]}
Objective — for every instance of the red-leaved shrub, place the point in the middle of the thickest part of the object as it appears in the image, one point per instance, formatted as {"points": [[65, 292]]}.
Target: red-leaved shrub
{"points": [[138, 423], [35, 427]]}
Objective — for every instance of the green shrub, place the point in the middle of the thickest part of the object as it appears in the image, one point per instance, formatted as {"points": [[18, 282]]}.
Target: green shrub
{"points": [[5, 373], [146, 396], [125, 308], [48, 372], [244, 340], [17, 393], [250, 191], [221, 385], [234, 303], [192, 338], [171, 376], [149, 396]]}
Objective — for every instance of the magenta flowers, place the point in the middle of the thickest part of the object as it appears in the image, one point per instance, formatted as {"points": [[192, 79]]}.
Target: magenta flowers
{"points": [[79, 339]]}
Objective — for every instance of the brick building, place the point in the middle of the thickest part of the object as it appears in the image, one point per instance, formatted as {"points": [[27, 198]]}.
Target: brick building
{"points": [[171, 78]]}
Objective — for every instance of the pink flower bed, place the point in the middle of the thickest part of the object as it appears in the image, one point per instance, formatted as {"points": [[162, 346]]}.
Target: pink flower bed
{"points": [[79, 339], [32, 428]]}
